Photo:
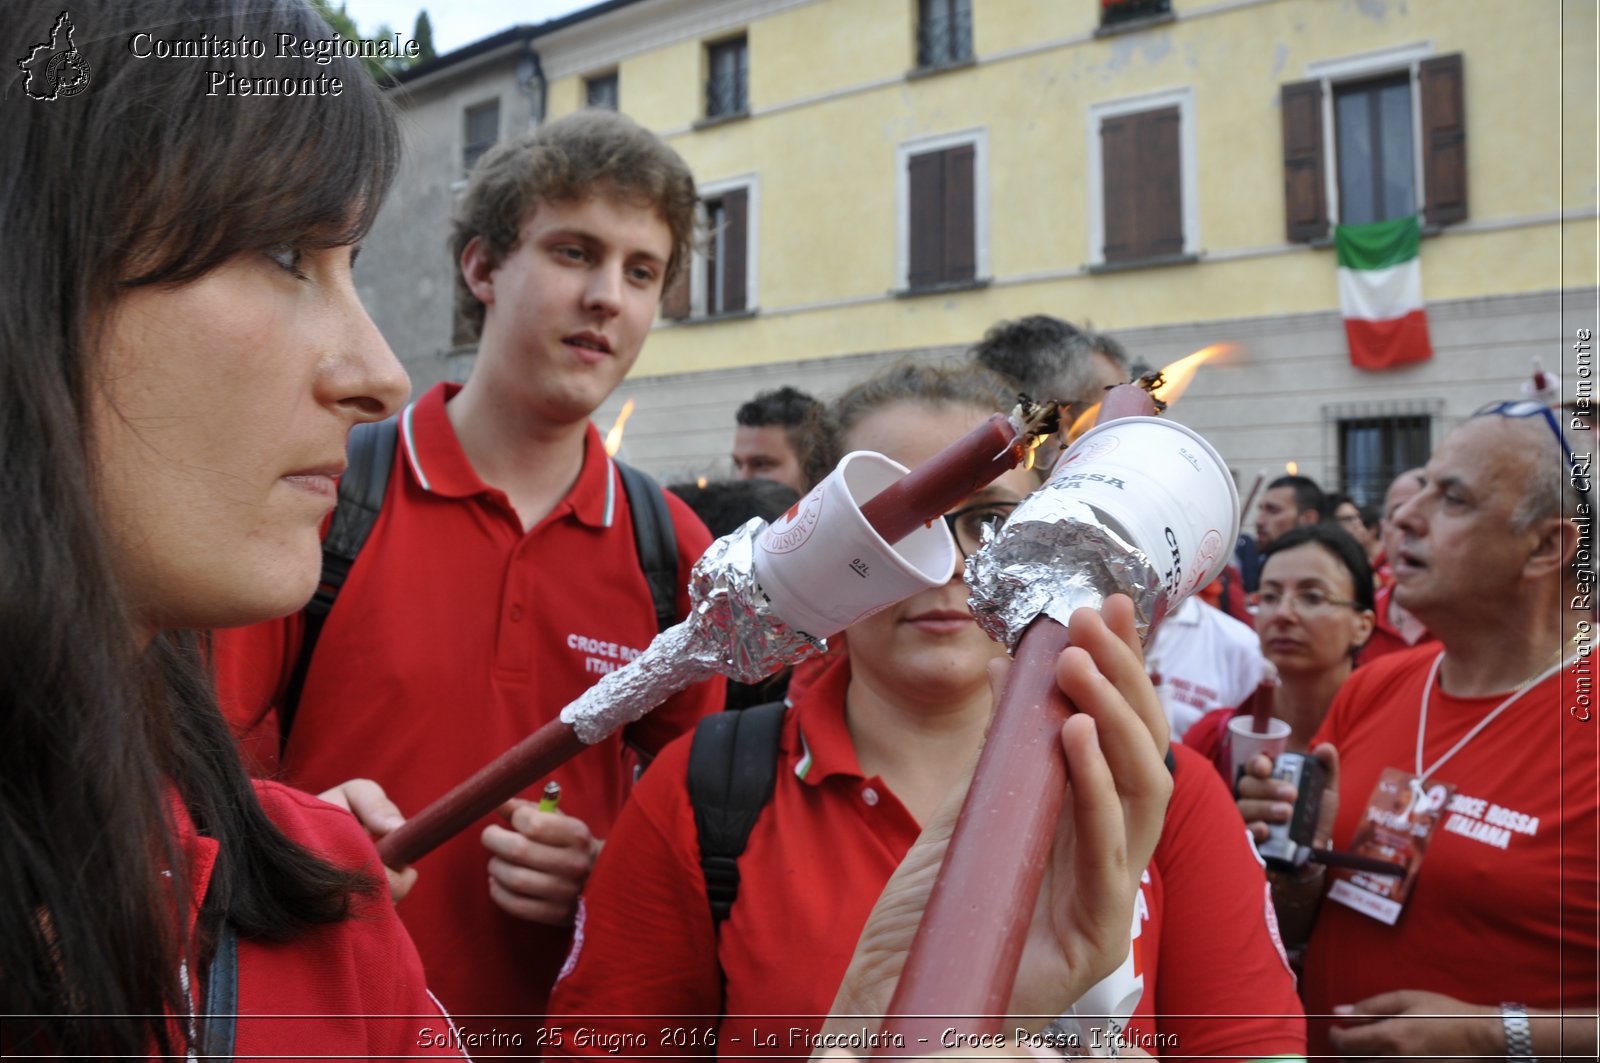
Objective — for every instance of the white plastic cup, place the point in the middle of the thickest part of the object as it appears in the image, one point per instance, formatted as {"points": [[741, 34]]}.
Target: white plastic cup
{"points": [[1244, 743], [823, 567], [1167, 488]]}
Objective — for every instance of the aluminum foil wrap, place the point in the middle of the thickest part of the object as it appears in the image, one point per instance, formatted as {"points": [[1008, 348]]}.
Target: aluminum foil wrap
{"points": [[730, 631], [1053, 555]]}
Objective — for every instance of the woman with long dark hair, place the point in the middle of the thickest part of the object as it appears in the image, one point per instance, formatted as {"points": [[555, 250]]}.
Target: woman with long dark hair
{"points": [[182, 356]]}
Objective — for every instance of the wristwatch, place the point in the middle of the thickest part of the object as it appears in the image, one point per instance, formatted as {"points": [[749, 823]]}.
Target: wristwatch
{"points": [[1519, 1038]]}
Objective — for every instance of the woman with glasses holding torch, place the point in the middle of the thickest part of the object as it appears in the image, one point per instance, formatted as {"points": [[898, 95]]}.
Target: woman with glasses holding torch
{"points": [[870, 745]]}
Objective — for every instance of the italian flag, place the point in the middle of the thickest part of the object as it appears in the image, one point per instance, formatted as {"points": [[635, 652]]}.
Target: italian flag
{"points": [[1380, 293]]}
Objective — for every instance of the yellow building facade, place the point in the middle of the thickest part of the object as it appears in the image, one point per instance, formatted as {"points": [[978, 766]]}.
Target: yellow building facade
{"points": [[837, 103]]}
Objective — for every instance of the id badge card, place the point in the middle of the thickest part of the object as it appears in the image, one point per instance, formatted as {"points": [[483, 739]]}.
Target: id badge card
{"points": [[1397, 825]]}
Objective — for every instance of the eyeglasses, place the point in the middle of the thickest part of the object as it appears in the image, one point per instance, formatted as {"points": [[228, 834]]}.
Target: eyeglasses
{"points": [[1306, 602], [1529, 408], [968, 522]]}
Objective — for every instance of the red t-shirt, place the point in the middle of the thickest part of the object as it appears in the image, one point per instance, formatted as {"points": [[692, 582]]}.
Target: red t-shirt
{"points": [[353, 989], [817, 859], [1386, 639], [456, 635], [1507, 902], [1209, 738]]}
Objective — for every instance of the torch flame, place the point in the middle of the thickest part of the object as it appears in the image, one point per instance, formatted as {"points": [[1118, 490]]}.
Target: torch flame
{"points": [[1175, 378], [1033, 453], [1292, 468], [614, 437], [1085, 421], [1178, 375]]}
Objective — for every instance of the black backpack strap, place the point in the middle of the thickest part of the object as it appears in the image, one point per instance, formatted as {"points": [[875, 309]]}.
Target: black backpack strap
{"points": [[733, 768], [657, 543], [370, 456], [222, 997]]}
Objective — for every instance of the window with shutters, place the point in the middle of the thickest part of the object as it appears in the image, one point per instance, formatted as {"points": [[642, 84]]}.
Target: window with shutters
{"points": [[944, 32], [480, 129], [601, 91], [1373, 146], [1142, 181], [727, 78], [720, 279], [1373, 139], [943, 212]]}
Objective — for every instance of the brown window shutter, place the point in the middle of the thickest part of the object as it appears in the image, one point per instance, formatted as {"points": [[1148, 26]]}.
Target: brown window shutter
{"points": [[735, 243], [1119, 182], [926, 238], [1161, 182], [1444, 139], [1304, 170], [960, 237], [675, 300]]}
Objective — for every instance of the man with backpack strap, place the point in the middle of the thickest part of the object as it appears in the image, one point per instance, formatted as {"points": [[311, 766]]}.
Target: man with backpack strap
{"points": [[503, 574]]}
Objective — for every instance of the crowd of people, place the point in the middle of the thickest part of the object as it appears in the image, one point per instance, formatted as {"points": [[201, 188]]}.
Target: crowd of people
{"points": [[205, 431]]}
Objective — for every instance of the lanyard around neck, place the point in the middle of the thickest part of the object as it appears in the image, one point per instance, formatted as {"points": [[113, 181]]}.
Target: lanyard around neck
{"points": [[1494, 713]]}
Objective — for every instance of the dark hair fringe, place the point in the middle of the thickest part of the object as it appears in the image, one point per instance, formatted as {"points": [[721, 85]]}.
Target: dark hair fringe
{"points": [[787, 407], [932, 385], [1307, 495], [1336, 541], [138, 180]]}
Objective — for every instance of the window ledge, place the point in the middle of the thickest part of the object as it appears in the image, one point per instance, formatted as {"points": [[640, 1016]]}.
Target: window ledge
{"points": [[1134, 25], [1154, 262], [1322, 243], [944, 289], [712, 319], [720, 119], [918, 73]]}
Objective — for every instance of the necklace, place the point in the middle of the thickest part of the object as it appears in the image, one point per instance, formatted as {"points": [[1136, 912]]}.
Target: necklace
{"points": [[1427, 695]]}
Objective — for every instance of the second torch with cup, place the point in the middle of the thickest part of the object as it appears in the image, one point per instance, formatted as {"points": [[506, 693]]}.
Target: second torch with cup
{"points": [[1137, 506]]}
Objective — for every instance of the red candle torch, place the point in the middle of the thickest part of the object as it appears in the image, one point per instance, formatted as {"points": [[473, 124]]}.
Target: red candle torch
{"points": [[963, 961], [1261, 705], [921, 497]]}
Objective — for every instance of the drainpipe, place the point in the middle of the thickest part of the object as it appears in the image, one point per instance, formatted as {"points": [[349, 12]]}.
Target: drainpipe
{"points": [[531, 83]]}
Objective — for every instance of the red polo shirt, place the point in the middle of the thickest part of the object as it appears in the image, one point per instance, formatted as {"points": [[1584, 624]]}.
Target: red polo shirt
{"points": [[817, 860], [353, 988], [456, 635]]}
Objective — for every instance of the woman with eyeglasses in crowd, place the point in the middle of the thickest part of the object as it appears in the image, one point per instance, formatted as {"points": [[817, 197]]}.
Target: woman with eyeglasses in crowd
{"points": [[871, 744], [1313, 615]]}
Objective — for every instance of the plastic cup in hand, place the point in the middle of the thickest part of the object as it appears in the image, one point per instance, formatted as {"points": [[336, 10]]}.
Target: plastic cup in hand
{"points": [[1245, 742]]}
